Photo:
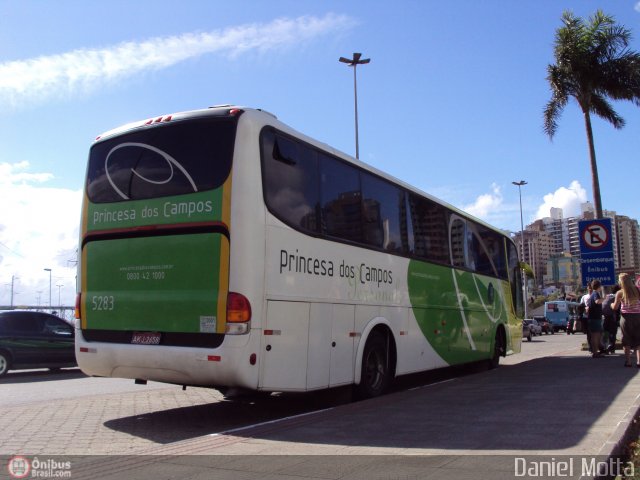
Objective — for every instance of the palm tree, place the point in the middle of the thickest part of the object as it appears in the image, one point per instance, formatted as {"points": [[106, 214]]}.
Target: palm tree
{"points": [[593, 65]]}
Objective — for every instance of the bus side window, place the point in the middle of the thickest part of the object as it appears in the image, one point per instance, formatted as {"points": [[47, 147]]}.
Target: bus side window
{"points": [[429, 226], [341, 200], [410, 246], [383, 214], [291, 181], [458, 243], [485, 247], [516, 280]]}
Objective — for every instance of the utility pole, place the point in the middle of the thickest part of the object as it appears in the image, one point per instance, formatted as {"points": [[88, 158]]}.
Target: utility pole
{"points": [[49, 270], [13, 279], [354, 62], [524, 274]]}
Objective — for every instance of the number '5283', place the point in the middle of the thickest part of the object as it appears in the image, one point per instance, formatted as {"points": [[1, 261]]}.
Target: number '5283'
{"points": [[102, 302]]}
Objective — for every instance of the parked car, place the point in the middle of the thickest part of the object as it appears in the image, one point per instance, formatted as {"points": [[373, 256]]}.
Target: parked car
{"points": [[535, 328], [526, 331], [544, 324], [31, 339]]}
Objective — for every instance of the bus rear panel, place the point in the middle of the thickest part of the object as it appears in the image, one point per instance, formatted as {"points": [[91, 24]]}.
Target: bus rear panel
{"points": [[155, 243]]}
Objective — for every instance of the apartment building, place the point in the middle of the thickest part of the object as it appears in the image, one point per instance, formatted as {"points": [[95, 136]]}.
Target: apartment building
{"points": [[628, 241], [552, 245]]}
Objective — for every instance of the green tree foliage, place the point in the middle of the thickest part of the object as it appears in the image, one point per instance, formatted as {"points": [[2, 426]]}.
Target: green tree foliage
{"points": [[593, 66]]}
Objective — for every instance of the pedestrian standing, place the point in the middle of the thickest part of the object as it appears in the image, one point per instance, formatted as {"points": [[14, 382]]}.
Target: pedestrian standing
{"points": [[611, 320], [594, 313], [628, 300], [583, 310]]}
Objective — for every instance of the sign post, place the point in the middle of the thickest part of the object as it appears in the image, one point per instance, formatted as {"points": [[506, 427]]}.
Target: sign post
{"points": [[596, 251]]}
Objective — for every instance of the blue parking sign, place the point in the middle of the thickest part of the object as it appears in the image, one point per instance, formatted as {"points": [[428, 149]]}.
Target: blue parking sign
{"points": [[596, 251]]}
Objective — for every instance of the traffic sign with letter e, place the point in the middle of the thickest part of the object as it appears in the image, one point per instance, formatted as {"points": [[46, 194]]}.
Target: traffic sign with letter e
{"points": [[596, 251]]}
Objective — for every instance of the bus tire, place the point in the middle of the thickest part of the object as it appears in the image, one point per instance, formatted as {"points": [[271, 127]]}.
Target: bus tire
{"points": [[375, 375], [499, 349]]}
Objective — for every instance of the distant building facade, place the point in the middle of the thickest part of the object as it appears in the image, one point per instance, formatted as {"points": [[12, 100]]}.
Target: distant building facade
{"points": [[552, 246], [628, 240], [563, 270]]}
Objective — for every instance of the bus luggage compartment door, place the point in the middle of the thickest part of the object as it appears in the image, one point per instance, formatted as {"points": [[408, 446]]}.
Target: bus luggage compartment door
{"points": [[285, 342], [165, 284]]}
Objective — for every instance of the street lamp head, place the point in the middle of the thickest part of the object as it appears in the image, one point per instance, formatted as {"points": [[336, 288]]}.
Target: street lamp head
{"points": [[47, 269], [520, 183], [355, 60]]}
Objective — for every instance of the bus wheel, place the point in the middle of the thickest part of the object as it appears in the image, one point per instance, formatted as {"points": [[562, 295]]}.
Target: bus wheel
{"points": [[375, 367], [499, 349]]}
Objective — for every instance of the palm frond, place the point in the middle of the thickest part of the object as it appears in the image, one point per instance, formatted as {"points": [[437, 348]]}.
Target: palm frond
{"points": [[620, 78], [604, 110], [552, 113]]}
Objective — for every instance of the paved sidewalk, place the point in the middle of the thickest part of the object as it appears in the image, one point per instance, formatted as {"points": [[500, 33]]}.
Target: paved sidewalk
{"points": [[562, 408]]}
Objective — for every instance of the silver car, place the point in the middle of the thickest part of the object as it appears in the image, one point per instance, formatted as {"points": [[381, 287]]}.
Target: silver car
{"points": [[526, 331], [533, 325]]}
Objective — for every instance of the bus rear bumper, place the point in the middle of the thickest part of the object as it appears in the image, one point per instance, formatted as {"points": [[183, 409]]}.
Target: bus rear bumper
{"points": [[191, 366]]}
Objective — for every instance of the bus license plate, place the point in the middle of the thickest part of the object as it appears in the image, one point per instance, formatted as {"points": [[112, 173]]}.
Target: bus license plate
{"points": [[146, 338]]}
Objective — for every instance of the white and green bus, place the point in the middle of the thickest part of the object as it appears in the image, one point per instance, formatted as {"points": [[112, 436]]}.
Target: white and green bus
{"points": [[222, 248]]}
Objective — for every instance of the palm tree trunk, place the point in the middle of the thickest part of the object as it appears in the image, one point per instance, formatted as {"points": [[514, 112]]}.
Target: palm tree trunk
{"points": [[595, 183]]}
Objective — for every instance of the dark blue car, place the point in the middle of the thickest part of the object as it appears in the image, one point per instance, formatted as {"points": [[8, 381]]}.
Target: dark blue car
{"points": [[30, 339]]}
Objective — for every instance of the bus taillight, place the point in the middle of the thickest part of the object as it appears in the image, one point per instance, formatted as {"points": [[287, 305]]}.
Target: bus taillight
{"points": [[77, 312], [238, 314]]}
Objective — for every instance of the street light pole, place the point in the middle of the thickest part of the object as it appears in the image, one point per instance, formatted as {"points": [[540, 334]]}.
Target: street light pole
{"points": [[59, 285], [13, 281], [524, 275], [354, 62], [49, 270]]}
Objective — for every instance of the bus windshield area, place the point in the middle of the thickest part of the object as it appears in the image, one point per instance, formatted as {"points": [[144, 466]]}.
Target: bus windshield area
{"points": [[162, 160]]}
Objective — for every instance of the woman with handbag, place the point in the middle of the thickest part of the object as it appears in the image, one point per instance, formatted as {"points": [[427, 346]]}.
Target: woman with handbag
{"points": [[628, 299]]}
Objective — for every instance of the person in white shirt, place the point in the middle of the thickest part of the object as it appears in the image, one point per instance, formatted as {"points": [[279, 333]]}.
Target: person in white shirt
{"points": [[584, 301]]}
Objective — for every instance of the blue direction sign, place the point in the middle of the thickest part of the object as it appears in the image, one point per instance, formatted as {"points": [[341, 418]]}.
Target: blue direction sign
{"points": [[596, 251]]}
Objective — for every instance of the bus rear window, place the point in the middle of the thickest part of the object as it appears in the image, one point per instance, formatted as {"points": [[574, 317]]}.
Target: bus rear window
{"points": [[170, 159]]}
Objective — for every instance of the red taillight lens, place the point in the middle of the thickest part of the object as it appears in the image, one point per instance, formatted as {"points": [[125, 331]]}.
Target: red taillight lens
{"points": [[78, 311], [238, 308]]}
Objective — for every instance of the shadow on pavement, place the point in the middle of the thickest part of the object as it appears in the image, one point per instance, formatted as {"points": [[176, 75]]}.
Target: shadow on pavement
{"points": [[44, 375], [544, 404], [167, 426]]}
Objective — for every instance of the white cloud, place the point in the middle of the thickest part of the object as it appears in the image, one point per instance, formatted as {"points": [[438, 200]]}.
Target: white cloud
{"points": [[568, 199], [40, 78], [637, 7], [38, 230], [486, 205]]}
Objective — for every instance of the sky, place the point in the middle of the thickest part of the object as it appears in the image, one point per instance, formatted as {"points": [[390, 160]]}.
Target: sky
{"points": [[451, 103]]}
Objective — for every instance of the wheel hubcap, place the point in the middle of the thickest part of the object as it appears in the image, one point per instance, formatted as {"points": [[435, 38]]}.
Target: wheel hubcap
{"points": [[375, 370]]}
